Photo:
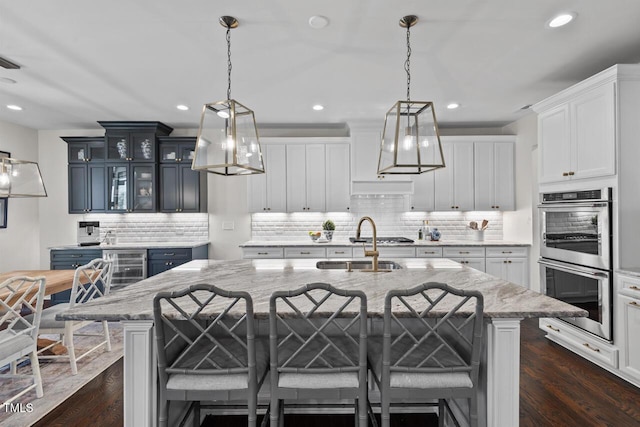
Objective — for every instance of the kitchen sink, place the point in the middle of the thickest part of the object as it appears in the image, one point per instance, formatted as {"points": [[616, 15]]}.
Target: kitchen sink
{"points": [[356, 265]]}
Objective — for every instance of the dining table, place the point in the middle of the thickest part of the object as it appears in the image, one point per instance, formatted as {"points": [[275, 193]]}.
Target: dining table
{"points": [[55, 280]]}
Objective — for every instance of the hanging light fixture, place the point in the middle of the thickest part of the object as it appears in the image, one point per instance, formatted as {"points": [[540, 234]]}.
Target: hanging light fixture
{"points": [[227, 142], [20, 178], [410, 138]]}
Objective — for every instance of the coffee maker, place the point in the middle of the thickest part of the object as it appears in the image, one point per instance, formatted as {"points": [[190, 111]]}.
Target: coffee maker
{"points": [[88, 233]]}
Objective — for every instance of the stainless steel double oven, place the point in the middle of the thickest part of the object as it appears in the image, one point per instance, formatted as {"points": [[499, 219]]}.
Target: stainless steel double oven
{"points": [[576, 254]]}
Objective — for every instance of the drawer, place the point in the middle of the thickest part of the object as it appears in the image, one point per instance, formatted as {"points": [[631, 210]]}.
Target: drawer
{"points": [[397, 252], [74, 254], [506, 251], [629, 286], [251, 253], [339, 252], [305, 253], [580, 342], [170, 253], [428, 252], [477, 263], [463, 251]]}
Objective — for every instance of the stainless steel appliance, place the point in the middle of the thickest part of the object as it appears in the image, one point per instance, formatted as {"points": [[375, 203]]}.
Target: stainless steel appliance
{"points": [[88, 233], [576, 254], [380, 240], [129, 266]]}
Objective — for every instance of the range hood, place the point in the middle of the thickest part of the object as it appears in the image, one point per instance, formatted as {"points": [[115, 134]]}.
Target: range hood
{"points": [[381, 187]]}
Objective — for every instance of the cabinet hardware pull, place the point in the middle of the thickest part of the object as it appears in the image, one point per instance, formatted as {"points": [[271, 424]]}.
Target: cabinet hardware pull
{"points": [[305, 253], [565, 173], [504, 262], [76, 256], [571, 173], [553, 329], [170, 254], [634, 287], [634, 303], [507, 252], [497, 207], [463, 252], [339, 252], [591, 348], [263, 253], [509, 261]]}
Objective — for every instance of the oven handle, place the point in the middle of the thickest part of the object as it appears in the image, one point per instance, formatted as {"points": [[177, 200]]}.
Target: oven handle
{"points": [[585, 271], [572, 205]]}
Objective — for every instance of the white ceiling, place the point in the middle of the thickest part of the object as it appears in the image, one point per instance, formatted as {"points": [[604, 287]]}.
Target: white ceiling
{"points": [[84, 61]]}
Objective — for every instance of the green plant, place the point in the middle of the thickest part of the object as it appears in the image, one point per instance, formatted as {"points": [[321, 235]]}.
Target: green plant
{"points": [[328, 225]]}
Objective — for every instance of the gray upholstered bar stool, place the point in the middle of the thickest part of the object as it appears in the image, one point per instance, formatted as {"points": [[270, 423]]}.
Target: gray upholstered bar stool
{"points": [[90, 281], [207, 350], [430, 347], [318, 346], [18, 334]]}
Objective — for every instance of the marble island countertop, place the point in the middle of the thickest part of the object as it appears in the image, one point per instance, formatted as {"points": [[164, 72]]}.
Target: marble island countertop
{"points": [[135, 245], [347, 243], [262, 277]]}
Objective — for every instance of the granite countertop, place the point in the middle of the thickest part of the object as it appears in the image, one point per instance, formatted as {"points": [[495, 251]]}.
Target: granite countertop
{"points": [[135, 245], [262, 277], [347, 243]]}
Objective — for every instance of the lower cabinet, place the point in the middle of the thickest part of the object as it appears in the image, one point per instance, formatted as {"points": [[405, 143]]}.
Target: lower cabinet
{"points": [[628, 324], [471, 256], [508, 263], [163, 259], [70, 259]]}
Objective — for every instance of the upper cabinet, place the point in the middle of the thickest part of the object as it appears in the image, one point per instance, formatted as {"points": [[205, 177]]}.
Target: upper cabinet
{"points": [[577, 132], [302, 175], [133, 141], [86, 174], [181, 188], [494, 178], [454, 190], [366, 153]]}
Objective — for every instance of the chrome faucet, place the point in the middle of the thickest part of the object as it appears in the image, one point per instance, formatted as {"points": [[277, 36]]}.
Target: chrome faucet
{"points": [[373, 253]]}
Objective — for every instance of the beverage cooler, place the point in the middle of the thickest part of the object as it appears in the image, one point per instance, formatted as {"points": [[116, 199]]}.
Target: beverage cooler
{"points": [[129, 266]]}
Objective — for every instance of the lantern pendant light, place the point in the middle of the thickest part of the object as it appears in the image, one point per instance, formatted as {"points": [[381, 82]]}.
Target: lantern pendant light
{"points": [[227, 142], [410, 139]]}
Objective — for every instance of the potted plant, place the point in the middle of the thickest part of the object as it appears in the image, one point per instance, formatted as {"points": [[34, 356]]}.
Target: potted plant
{"points": [[328, 227]]}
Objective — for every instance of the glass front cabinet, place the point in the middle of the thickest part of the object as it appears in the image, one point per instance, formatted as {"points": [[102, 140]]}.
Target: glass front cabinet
{"points": [[131, 187]]}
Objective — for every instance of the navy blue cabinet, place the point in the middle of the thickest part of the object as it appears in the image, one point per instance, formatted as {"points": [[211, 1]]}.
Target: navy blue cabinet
{"points": [[164, 259], [70, 259], [181, 188], [87, 185]]}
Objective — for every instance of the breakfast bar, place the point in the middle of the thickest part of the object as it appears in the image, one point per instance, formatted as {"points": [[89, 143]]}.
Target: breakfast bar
{"points": [[505, 303]]}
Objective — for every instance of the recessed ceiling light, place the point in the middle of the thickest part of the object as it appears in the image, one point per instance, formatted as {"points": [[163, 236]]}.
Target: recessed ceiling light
{"points": [[453, 106], [182, 107], [14, 107], [561, 20], [318, 22], [318, 107], [7, 80]]}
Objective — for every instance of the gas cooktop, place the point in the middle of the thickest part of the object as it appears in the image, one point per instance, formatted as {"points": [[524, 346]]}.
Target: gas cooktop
{"points": [[381, 240]]}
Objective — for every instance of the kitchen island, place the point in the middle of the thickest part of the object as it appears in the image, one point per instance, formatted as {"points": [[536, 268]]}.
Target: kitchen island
{"points": [[505, 303]]}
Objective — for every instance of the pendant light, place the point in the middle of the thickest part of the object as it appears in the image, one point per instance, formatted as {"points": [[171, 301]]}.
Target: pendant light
{"points": [[20, 178], [410, 138], [227, 142]]}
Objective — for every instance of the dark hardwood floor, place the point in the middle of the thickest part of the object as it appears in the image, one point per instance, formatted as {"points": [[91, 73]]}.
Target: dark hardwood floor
{"points": [[557, 389]]}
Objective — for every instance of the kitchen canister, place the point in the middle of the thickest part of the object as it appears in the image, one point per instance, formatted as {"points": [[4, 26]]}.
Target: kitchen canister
{"points": [[477, 235]]}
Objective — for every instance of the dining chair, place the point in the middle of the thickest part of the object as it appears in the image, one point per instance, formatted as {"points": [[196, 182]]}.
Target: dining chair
{"points": [[90, 281], [430, 348], [318, 348], [19, 335], [207, 350]]}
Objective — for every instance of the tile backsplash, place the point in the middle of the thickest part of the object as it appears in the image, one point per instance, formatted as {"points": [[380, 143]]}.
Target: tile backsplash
{"points": [[157, 227], [389, 214]]}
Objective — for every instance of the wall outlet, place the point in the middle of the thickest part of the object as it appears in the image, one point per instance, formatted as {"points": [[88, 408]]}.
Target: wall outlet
{"points": [[228, 225]]}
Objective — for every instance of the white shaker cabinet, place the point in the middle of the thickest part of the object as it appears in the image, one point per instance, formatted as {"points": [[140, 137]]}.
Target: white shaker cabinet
{"points": [[338, 177], [494, 176], [454, 190], [305, 167], [267, 192], [577, 133], [628, 319]]}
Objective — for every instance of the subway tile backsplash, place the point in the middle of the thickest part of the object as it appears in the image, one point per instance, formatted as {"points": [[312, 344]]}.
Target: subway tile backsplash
{"points": [[157, 227], [389, 214]]}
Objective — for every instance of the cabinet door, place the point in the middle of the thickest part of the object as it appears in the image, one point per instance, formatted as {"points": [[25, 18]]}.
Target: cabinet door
{"points": [[169, 188], [424, 198], [496, 267], [143, 193], [315, 177], [494, 176], [97, 188], [630, 347], [593, 133], [118, 188], [143, 146], [276, 178], [554, 145], [454, 183], [296, 178], [338, 179], [78, 188], [518, 271], [189, 189], [118, 146], [477, 263]]}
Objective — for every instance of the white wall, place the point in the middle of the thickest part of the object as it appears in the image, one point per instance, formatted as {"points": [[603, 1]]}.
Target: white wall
{"points": [[19, 242], [522, 224]]}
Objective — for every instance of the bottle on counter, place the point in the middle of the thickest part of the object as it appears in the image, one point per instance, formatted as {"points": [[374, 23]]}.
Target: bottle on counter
{"points": [[427, 230], [420, 234]]}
